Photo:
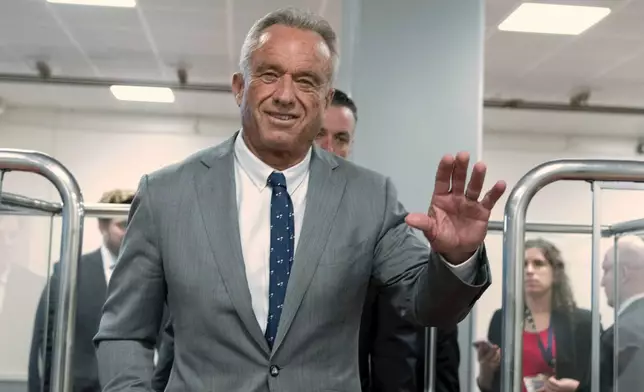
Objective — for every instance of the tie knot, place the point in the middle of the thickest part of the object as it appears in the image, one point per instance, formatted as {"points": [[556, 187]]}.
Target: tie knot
{"points": [[277, 179]]}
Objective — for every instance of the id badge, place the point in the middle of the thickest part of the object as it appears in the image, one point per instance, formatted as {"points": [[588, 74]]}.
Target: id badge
{"points": [[534, 384]]}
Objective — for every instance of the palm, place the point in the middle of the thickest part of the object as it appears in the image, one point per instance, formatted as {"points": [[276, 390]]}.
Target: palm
{"points": [[456, 222]]}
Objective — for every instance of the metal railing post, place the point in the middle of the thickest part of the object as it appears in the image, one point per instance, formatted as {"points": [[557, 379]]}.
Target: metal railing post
{"points": [[70, 248], [514, 244]]}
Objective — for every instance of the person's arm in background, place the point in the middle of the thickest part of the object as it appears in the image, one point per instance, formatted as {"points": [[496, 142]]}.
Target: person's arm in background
{"points": [[394, 349], [448, 360], [489, 378], [40, 355], [163, 367]]}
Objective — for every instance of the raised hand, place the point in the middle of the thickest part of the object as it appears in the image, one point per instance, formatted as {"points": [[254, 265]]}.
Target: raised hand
{"points": [[456, 222]]}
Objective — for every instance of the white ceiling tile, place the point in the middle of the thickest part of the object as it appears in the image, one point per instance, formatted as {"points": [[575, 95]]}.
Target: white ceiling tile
{"points": [[629, 71], [587, 57], [512, 54], [116, 43]]}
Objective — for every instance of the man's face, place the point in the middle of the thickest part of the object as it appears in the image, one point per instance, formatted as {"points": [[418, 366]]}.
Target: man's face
{"points": [[286, 91], [608, 277], [113, 233], [338, 126]]}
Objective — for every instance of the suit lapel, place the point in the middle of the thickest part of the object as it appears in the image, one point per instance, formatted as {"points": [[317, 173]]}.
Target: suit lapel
{"points": [[217, 200], [324, 194], [96, 271]]}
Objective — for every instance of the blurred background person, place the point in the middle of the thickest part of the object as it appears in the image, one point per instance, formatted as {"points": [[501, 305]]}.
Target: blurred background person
{"points": [[94, 272], [19, 291], [557, 334], [623, 283]]}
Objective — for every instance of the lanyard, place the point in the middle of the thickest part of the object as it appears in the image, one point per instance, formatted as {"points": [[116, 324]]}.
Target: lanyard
{"points": [[546, 352]]}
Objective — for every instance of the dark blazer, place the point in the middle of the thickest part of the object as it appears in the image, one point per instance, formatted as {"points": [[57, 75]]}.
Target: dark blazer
{"points": [[573, 340], [392, 351], [629, 352], [92, 289]]}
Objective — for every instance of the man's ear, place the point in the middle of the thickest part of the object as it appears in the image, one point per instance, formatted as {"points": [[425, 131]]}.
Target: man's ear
{"points": [[238, 87], [329, 98]]}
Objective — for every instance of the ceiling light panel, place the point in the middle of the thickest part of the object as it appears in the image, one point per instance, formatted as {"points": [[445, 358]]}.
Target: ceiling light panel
{"points": [[102, 3], [142, 94], [553, 18]]}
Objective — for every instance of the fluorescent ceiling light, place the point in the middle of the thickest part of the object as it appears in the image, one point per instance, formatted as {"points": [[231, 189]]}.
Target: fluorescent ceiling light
{"points": [[553, 18], [104, 3], [143, 94]]}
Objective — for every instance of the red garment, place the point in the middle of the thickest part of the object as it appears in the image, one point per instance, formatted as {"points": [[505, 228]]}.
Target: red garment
{"points": [[533, 361]]}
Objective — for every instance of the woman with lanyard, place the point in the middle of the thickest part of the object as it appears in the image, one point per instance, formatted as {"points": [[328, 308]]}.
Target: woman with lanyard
{"points": [[557, 334]]}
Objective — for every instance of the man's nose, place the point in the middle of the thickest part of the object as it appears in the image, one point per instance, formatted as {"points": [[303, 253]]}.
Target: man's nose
{"points": [[326, 142], [284, 94]]}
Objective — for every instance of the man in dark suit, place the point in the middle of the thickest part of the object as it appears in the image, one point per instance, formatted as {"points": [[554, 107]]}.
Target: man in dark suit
{"points": [[94, 272], [626, 273], [391, 349]]}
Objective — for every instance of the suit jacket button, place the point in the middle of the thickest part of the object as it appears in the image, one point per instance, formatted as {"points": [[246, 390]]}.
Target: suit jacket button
{"points": [[275, 371]]}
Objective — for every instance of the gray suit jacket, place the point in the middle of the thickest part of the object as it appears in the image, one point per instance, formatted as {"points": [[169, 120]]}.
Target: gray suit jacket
{"points": [[183, 246]]}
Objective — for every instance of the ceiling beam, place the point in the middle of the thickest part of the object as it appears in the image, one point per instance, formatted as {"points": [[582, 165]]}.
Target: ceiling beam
{"points": [[494, 103], [106, 82]]}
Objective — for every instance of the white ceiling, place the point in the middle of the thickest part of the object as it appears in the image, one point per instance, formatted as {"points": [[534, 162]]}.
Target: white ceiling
{"points": [[152, 40]]}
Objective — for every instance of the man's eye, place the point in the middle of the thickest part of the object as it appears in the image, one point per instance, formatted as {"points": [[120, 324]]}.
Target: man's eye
{"points": [[269, 77]]}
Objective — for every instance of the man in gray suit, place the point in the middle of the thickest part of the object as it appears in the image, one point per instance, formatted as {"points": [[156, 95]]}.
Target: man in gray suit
{"points": [[237, 239]]}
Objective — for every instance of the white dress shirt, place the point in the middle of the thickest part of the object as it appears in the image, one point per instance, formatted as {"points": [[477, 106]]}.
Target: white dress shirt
{"points": [[109, 261], [254, 204]]}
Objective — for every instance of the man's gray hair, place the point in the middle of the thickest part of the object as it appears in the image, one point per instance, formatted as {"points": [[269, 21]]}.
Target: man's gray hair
{"points": [[290, 17]]}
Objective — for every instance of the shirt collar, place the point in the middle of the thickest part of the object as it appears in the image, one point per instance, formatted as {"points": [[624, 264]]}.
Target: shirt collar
{"points": [[109, 260], [629, 302], [258, 171]]}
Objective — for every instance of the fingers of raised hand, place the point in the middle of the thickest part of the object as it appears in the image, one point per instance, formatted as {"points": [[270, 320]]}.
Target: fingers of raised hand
{"points": [[493, 195], [477, 179], [459, 172], [444, 175]]}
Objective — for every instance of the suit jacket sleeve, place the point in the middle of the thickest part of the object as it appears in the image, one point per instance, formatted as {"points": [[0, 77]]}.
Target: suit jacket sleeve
{"points": [[421, 285], [166, 358], [133, 312]]}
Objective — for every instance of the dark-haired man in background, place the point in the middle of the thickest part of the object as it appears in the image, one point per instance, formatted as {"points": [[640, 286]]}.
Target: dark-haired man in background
{"points": [[392, 350]]}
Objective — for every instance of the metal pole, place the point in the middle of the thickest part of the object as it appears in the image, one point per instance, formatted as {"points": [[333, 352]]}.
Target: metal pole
{"points": [[595, 271], [519, 104], [558, 228], [430, 359], [627, 227], [105, 82], [70, 248], [514, 244]]}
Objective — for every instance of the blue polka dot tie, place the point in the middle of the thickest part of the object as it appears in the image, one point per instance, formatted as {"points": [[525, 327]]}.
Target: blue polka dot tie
{"points": [[281, 252]]}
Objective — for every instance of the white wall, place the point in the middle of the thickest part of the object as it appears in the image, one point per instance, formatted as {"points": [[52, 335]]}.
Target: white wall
{"points": [[106, 151]]}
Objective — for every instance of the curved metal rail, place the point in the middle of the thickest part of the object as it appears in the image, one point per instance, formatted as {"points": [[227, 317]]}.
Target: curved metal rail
{"points": [[72, 213]]}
